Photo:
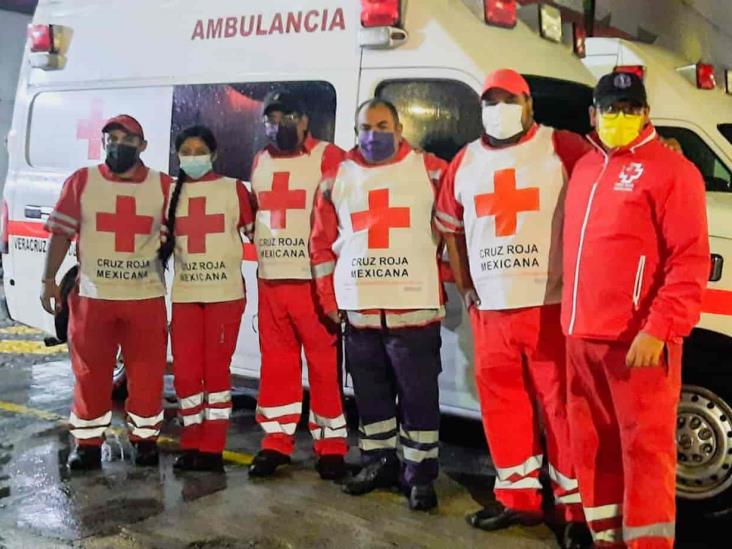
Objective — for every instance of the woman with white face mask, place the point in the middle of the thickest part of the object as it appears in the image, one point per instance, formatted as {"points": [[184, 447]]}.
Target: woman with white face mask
{"points": [[207, 214], [500, 208]]}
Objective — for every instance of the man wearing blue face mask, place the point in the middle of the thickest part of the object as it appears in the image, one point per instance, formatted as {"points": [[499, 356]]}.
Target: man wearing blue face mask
{"points": [[374, 256]]}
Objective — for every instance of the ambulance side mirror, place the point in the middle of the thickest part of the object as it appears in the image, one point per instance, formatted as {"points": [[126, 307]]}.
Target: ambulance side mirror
{"points": [[716, 273]]}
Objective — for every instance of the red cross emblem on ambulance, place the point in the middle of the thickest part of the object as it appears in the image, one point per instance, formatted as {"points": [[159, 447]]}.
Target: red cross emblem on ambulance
{"points": [[91, 130], [197, 225], [124, 223], [506, 202], [280, 199], [380, 218]]}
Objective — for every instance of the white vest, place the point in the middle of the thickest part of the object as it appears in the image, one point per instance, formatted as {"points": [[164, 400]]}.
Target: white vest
{"points": [[387, 252], [208, 246], [513, 221], [285, 190], [120, 237]]}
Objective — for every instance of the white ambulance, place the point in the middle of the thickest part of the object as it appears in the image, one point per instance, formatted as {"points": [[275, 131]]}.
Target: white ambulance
{"points": [[173, 64]]}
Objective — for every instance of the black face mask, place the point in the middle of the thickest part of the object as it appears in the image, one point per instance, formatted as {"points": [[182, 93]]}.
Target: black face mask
{"points": [[120, 157], [286, 138]]}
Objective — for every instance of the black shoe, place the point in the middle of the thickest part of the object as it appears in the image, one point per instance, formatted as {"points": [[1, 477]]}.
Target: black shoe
{"points": [[266, 462], [186, 461], [331, 467], [146, 453], [380, 474], [85, 458], [212, 462], [498, 517], [422, 497], [577, 535]]}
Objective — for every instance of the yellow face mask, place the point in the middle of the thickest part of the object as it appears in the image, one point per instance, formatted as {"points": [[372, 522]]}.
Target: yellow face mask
{"points": [[618, 130]]}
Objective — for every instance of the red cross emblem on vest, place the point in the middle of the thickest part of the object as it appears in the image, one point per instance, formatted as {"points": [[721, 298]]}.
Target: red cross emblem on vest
{"points": [[124, 223], [379, 219], [506, 202], [280, 199], [197, 225]]}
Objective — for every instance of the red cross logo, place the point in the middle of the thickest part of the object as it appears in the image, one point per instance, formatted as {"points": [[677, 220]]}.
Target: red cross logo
{"points": [[280, 199], [125, 224], [197, 225], [506, 202], [379, 219], [91, 130]]}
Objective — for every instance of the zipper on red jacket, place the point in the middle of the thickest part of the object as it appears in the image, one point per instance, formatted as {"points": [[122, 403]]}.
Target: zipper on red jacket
{"points": [[575, 288], [638, 286]]}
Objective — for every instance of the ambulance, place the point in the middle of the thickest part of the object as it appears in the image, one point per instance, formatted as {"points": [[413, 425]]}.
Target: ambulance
{"points": [[177, 63]]}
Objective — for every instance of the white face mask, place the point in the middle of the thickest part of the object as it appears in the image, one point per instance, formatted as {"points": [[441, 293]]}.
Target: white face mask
{"points": [[196, 166], [503, 120]]}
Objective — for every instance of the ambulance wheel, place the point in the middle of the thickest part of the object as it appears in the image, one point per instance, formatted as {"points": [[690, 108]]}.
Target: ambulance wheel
{"points": [[704, 444], [119, 379]]}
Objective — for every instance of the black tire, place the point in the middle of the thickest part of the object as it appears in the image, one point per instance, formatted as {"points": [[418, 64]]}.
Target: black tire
{"points": [[704, 435], [119, 379]]}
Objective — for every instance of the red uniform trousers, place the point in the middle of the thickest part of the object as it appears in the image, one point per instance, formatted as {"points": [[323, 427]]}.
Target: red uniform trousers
{"points": [[290, 321], [97, 329], [520, 372], [623, 428], [203, 337]]}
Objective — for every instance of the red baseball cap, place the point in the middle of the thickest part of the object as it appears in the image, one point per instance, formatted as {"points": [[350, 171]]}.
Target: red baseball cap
{"points": [[124, 122], [506, 79]]}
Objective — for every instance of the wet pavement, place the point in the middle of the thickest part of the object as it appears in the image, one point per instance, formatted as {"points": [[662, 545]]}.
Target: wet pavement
{"points": [[42, 505]]}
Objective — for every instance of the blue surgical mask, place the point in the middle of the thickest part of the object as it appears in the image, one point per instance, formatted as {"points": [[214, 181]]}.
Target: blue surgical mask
{"points": [[376, 146], [196, 166]]}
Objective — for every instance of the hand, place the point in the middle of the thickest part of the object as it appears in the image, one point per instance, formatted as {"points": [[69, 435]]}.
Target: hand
{"points": [[645, 351], [470, 298], [335, 317], [673, 144], [50, 291]]}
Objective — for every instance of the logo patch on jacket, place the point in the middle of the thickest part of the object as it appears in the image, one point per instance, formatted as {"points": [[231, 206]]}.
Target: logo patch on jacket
{"points": [[627, 177]]}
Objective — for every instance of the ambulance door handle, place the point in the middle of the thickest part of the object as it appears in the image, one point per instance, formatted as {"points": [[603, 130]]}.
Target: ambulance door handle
{"points": [[37, 212], [715, 275]]}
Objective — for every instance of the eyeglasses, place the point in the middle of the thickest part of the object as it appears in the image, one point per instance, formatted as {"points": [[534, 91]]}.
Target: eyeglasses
{"points": [[292, 118], [613, 111], [129, 139]]}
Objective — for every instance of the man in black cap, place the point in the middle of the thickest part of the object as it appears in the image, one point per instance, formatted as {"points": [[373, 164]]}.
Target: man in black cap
{"points": [[285, 175], [636, 262]]}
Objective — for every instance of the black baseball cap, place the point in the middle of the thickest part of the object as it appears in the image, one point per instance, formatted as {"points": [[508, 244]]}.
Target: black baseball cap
{"points": [[620, 86], [283, 101]]}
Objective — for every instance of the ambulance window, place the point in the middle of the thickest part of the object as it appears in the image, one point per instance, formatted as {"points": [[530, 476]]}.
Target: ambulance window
{"points": [[717, 176], [726, 130], [439, 116], [234, 113], [561, 104]]}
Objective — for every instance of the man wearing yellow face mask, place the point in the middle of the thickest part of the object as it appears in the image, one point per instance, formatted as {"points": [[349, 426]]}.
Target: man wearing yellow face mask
{"points": [[636, 261]]}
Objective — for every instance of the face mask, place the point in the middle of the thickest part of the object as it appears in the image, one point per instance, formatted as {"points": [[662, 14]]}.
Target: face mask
{"points": [[120, 157], [196, 166], [282, 136], [503, 121], [618, 131], [376, 147]]}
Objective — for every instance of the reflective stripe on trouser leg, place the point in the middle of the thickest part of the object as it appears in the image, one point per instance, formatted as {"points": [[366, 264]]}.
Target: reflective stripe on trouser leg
{"points": [[375, 393], [144, 427], [324, 428], [87, 429], [566, 490], [414, 354]]}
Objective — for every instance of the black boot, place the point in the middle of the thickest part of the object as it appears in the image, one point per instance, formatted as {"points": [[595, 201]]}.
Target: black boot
{"points": [[422, 497], [498, 517], [266, 462], [146, 453], [85, 458], [331, 467], [186, 461], [379, 474], [577, 535], [212, 462]]}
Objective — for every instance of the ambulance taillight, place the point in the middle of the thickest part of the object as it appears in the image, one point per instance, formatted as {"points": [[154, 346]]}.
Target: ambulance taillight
{"points": [[4, 236], [579, 40], [48, 45], [638, 70], [381, 13], [500, 13], [42, 39], [705, 76]]}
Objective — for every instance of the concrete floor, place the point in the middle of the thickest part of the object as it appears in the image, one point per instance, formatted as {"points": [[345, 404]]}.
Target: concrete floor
{"points": [[42, 505]]}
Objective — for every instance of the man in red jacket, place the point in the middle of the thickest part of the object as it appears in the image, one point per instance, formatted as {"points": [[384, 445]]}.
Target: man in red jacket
{"points": [[636, 261]]}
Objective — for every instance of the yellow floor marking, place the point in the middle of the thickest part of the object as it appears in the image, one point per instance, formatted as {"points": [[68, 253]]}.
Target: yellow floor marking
{"points": [[238, 458], [21, 347], [20, 330]]}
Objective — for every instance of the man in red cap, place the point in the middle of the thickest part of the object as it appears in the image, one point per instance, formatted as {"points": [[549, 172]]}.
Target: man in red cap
{"points": [[116, 211], [500, 207]]}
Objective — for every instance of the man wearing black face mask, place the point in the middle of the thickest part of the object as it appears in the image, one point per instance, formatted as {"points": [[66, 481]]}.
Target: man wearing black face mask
{"points": [[116, 211], [285, 176]]}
